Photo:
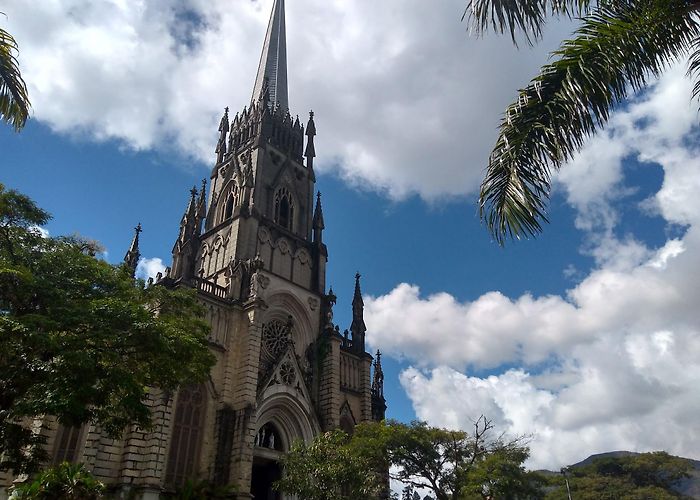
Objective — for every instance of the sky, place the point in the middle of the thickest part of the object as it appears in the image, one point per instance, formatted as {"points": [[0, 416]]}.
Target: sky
{"points": [[586, 338]]}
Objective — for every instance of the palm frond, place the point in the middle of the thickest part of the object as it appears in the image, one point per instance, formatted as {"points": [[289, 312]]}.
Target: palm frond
{"points": [[14, 99], [694, 67], [619, 46], [526, 16]]}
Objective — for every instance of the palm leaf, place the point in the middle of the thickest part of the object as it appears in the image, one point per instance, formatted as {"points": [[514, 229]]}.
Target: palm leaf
{"points": [[14, 100], [526, 16], [617, 48]]}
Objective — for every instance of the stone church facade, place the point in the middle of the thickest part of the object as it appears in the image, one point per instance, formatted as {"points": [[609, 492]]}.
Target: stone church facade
{"points": [[253, 249]]}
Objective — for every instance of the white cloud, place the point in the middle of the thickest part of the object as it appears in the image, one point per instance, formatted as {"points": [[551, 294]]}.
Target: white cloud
{"points": [[613, 363], [406, 101], [148, 268], [43, 232]]}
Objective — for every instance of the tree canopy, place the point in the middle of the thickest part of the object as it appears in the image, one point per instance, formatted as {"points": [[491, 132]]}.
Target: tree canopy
{"points": [[445, 463], [617, 48], [81, 339]]}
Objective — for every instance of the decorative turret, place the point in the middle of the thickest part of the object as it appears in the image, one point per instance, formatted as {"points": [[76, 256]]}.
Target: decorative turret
{"points": [[223, 130], [131, 259], [310, 151], [378, 401], [185, 249], [201, 208], [358, 328], [318, 225]]}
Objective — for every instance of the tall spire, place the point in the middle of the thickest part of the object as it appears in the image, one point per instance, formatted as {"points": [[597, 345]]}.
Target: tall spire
{"points": [[131, 259], [273, 61]]}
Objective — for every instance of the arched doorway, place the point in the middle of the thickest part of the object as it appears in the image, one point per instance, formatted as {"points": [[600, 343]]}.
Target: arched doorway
{"points": [[284, 415]]}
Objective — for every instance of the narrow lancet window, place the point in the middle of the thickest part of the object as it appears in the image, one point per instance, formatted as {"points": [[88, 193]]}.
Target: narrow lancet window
{"points": [[284, 209], [188, 427]]}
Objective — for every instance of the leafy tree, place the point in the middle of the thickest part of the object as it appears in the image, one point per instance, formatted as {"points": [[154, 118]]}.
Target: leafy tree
{"points": [[14, 100], [449, 464], [327, 469], [64, 482], [80, 338], [617, 48], [636, 477]]}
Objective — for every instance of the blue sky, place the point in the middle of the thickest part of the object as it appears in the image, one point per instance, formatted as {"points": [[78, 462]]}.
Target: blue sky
{"points": [[586, 337]]}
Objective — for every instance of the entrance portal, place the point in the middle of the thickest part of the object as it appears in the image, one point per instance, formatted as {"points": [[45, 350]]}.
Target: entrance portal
{"points": [[265, 472]]}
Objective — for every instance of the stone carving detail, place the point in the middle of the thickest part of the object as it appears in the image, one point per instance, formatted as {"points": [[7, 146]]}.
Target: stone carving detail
{"points": [[328, 303], [258, 281], [313, 303], [288, 374], [283, 246]]}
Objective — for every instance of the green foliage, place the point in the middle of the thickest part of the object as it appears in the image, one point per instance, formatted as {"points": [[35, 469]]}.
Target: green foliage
{"points": [[328, 469], [64, 482], [449, 464], [635, 477], [14, 99], [81, 339], [617, 48]]}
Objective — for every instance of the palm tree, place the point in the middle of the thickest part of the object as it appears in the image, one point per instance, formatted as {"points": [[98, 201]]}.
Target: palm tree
{"points": [[618, 47], [14, 101]]}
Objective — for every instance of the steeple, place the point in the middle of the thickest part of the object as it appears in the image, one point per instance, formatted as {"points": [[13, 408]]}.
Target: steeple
{"points": [[358, 327], [273, 61], [131, 259]]}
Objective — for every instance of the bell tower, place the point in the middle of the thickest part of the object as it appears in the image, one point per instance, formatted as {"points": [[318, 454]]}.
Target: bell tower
{"points": [[251, 244]]}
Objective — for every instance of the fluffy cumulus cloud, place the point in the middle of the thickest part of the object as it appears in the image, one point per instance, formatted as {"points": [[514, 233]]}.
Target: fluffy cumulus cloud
{"points": [[386, 80], [148, 268], [612, 364]]}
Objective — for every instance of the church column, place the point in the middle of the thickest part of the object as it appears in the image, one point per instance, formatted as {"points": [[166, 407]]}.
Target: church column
{"points": [[329, 390], [245, 396], [366, 367]]}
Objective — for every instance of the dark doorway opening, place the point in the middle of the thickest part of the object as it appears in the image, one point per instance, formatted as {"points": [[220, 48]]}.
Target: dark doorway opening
{"points": [[265, 472]]}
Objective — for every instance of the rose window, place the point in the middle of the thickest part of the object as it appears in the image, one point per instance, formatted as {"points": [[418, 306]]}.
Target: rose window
{"points": [[275, 339]]}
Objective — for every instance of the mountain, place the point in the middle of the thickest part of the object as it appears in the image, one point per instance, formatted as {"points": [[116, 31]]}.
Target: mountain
{"points": [[689, 487]]}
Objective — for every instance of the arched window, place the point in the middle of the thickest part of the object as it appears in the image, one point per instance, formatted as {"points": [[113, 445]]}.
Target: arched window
{"points": [[232, 201], [284, 209], [228, 213], [68, 441], [188, 427]]}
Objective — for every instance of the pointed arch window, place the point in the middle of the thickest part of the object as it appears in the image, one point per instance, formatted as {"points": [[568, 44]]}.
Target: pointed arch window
{"points": [[228, 213], [231, 202], [68, 441], [284, 209], [188, 428]]}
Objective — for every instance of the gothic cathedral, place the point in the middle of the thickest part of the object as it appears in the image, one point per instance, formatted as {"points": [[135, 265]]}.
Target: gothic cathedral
{"points": [[254, 251]]}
